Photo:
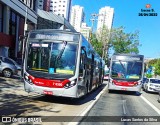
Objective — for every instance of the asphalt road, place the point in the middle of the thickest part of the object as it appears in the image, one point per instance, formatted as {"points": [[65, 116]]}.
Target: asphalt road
{"points": [[115, 107], [14, 101]]}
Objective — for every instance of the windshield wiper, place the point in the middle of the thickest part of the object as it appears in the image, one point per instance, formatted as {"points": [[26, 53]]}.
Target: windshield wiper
{"points": [[123, 68], [62, 50]]}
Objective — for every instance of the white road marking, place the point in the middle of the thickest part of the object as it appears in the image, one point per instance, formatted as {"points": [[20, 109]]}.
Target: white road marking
{"points": [[150, 104], [124, 105], [85, 111]]}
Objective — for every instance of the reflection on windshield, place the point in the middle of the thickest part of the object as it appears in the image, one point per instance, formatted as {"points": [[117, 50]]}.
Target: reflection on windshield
{"points": [[52, 57], [126, 70]]}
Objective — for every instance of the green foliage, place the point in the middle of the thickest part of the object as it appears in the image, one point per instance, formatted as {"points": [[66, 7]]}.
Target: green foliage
{"points": [[152, 62], [149, 75], [155, 63], [157, 67], [98, 46], [117, 40], [124, 42]]}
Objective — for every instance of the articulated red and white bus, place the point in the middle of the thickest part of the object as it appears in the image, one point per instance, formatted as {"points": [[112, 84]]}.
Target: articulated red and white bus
{"points": [[60, 63], [126, 72]]}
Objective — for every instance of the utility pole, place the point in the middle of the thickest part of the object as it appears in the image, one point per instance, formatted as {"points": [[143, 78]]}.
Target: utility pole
{"points": [[93, 19]]}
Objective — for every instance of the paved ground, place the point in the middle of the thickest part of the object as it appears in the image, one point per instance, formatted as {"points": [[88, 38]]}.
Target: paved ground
{"points": [[16, 102]]}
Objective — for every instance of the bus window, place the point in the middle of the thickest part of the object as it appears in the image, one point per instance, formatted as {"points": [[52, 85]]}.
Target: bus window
{"points": [[82, 62], [52, 57]]}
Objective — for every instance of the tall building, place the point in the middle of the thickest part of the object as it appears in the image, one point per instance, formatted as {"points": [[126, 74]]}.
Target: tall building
{"points": [[77, 17], [62, 8], [45, 5], [105, 17], [13, 17], [85, 30]]}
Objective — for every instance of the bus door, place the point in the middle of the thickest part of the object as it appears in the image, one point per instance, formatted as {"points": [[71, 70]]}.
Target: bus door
{"points": [[91, 73], [82, 67], [100, 73]]}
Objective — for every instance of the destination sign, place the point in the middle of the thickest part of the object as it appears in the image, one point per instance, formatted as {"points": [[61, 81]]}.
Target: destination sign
{"points": [[128, 58], [54, 36]]}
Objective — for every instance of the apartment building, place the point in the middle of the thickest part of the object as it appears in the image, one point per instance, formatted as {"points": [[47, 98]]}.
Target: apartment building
{"points": [[62, 8], [105, 17], [85, 30], [77, 17]]}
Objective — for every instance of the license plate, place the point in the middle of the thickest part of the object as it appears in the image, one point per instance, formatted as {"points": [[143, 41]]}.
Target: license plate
{"points": [[47, 92], [123, 88]]}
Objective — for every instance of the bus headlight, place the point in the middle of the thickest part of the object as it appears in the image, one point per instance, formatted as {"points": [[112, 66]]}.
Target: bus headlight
{"points": [[70, 84], [27, 79]]}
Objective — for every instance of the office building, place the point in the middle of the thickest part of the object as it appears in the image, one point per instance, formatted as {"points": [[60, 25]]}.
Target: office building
{"points": [[14, 14], [45, 5]]}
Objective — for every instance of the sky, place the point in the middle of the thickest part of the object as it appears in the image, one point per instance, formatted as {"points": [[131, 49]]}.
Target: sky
{"points": [[126, 15]]}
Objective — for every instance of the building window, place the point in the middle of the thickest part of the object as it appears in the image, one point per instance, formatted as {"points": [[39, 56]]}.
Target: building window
{"points": [[1, 18], [12, 23], [31, 4]]}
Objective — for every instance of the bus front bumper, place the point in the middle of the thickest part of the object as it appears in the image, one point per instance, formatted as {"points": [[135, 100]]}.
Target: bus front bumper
{"points": [[125, 88], [69, 92]]}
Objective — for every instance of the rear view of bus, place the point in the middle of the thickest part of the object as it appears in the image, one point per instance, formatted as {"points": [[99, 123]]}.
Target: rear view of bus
{"points": [[126, 72]]}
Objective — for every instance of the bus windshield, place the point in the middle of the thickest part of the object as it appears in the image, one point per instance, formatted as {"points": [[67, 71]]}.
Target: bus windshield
{"points": [[52, 57], [126, 70]]}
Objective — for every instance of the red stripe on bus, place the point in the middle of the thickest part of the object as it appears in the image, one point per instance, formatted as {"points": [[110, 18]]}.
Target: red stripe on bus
{"points": [[125, 83], [49, 83]]}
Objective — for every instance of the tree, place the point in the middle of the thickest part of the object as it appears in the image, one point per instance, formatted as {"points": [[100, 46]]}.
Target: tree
{"points": [[157, 67], [124, 42], [96, 44], [156, 64]]}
